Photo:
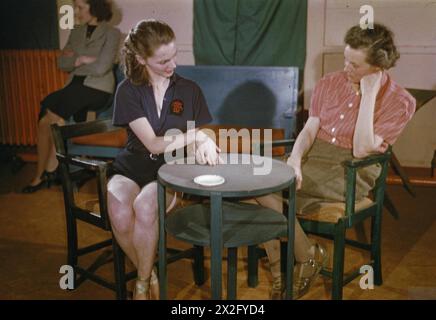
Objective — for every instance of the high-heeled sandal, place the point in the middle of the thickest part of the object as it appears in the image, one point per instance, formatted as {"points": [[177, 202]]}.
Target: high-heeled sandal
{"points": [[278, 288], [142, 287], [306, 272], [148, 287], [154, 286]]}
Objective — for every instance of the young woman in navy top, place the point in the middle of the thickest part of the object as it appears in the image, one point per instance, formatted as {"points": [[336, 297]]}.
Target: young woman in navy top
{"points": [[149, 102]]}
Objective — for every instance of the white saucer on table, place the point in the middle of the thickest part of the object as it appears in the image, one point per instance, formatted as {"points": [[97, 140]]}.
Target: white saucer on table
{"points": [[209, 180]]}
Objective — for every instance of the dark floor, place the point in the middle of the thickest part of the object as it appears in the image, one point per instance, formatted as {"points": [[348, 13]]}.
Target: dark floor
{"points": [[32, 250]]}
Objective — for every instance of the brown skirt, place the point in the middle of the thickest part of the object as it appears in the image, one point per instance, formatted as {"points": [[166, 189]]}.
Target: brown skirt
{"points": [[324, 177]]}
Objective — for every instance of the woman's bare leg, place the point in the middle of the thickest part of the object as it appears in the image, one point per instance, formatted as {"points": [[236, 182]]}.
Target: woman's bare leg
{"points": [[45, 147], [303, 245], [134, 218], [122, 192], [145, 230]]}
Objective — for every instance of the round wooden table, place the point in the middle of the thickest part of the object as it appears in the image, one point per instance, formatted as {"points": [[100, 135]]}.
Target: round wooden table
{"points": [[246, 176]]}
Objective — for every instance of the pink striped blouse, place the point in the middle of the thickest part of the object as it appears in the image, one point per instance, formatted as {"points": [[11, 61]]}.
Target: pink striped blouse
{"points": [[336, 104]]}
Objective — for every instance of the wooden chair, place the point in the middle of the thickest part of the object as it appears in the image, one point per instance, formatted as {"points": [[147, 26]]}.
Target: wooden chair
{"points": [[98, 164], [332, 221]]}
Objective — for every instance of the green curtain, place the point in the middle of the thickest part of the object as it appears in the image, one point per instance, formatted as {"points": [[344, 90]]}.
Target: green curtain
{"points": [[250, 32]]}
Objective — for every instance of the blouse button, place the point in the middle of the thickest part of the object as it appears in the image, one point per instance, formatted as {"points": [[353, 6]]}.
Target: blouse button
{"points": [[341, 116], [333, 129], [333, 140], [350, 105]]}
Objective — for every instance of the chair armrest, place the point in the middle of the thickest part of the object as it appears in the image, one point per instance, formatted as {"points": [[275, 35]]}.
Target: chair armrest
{"points": [[259, 147], [351, 167], [90, 164], [367, 161], [279, 143]]}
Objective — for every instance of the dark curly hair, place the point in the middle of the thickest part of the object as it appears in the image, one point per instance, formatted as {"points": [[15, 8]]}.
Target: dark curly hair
{"points": [[378, 42], [101, 9], [143, 40]]}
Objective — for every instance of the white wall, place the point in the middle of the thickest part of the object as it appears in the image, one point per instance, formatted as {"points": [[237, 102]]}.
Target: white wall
{"points": [[177, 13], [414, 25]]}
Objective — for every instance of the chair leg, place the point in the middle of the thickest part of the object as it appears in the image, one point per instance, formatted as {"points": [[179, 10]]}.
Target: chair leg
{"points": [[376, 248], [232, 264], [338, 261], [72, 256], [253, 267], [360, 233], [198, 266], [119, 271]]}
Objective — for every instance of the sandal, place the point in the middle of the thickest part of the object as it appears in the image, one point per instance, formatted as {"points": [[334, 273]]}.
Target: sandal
{"points": [[147, 289], [278, 288], [306, 272], [154, 285], [141, 289]]}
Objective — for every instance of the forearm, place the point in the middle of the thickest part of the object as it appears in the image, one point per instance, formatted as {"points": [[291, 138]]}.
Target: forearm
{"points": [[364, 139], [97, 68], [170, 143], [66, 63], [105, 59], [302, 145]]}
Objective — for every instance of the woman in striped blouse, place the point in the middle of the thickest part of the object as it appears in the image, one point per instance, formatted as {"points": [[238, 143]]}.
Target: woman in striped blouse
{"points": [[355, 112]]}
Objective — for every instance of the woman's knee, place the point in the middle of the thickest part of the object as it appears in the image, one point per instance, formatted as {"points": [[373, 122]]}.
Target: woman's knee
{"points": [[145, 207], [120, 205], [44, 123], [120, 213]]}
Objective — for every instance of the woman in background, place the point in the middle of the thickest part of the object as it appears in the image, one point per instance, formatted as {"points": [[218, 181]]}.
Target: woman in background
{"points": [[88, 56]]}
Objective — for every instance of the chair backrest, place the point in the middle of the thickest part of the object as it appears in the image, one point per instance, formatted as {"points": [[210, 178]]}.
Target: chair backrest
{"points": [[72, 168], [100, 139], [248, 96]]}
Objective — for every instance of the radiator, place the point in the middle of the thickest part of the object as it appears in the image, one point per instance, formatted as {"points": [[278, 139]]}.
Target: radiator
{"points": [[26, 77]]}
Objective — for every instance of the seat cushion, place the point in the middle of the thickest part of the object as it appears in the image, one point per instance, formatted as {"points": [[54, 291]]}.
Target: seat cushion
{"points": [[332, 211], [115, 139]]}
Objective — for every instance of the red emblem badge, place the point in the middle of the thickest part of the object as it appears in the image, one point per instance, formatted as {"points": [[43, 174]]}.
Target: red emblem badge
{"points": [[177, 107]]}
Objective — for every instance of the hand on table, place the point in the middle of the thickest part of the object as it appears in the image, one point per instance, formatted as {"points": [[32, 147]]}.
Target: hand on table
{"points": [[207, 152]]}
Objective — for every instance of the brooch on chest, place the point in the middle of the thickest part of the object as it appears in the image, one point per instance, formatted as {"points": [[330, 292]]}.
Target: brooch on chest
{"points": [[177, 107]]}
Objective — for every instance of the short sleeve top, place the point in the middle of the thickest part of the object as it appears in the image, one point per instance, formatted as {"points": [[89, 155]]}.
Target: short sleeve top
{"points": [[183, 102], [336, 104]]}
